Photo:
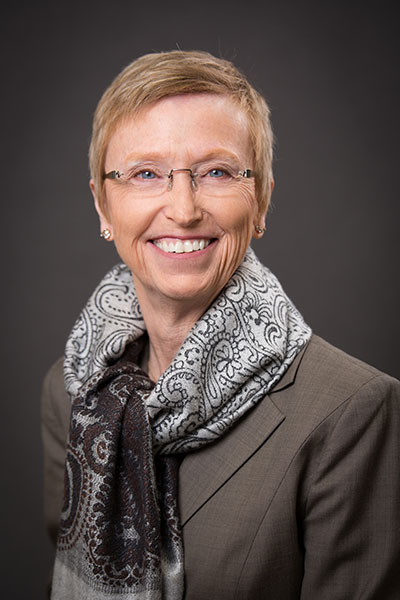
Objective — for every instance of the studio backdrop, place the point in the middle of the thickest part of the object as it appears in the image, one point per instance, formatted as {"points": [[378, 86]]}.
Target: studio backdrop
{"points": [[330, 74]]}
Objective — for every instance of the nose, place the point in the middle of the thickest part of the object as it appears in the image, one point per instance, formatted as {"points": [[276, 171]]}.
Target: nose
{"points": [[182, 203]]}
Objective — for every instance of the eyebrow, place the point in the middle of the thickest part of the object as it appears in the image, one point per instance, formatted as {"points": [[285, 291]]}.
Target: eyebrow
{"points": [[217, 153]]}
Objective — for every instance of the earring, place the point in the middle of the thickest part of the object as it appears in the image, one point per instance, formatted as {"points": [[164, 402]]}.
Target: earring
{"points": [[106, 234], [259, 229]]}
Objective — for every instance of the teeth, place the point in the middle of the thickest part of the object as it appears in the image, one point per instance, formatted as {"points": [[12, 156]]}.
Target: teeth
{"points": [[180, 247]]}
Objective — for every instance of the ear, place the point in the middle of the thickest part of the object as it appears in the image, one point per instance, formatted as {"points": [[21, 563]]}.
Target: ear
{"points": [[101, 210], [260, 218]]}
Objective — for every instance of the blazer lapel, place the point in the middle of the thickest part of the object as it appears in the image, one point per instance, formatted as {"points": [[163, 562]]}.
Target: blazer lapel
{"points": [[204, 471]]}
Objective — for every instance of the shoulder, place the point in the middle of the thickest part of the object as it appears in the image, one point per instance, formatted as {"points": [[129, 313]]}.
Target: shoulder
{"points": [[327, 379], [326, 367], [330, 363], [55, 402], [54, 379]]}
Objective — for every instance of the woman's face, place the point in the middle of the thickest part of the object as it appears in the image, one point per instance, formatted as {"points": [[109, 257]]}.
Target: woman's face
{"points": [[150, 231]]}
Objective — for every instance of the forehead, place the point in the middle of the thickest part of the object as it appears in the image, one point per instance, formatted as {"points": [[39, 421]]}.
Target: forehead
{"points": [[183, 126]]}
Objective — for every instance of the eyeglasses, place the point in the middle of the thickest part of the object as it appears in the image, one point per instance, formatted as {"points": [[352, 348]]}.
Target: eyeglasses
{"points": [[210, 179]]}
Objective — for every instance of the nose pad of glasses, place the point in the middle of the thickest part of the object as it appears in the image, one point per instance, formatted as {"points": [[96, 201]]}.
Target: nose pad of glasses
{"points": [[188, 171], [195, 185]]}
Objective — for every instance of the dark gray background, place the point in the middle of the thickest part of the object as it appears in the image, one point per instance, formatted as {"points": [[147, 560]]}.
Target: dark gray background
{"points": [[330, 72]]}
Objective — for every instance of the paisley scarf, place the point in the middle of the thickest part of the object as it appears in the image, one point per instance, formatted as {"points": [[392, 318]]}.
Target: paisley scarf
{"points": [[119, 532]]}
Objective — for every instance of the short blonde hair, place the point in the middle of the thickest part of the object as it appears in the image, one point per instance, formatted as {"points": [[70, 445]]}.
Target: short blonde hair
{"points": [[158, 75]]}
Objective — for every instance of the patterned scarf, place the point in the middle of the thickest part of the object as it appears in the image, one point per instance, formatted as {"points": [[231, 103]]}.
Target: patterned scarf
{"points": [[119, 533]]}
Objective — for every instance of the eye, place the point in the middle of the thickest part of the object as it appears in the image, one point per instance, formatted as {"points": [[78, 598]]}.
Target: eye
{"points": [[146, 174], [217, 173]]}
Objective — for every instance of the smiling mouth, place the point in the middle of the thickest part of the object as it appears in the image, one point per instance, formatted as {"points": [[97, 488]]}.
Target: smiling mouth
{"points": [[182, 246]]}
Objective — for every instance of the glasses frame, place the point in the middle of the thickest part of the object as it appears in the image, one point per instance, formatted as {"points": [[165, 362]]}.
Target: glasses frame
{"points": [[246, 174]]}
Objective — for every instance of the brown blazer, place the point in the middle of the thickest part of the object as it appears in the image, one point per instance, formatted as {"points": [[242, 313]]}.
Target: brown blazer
{"points": [[301, 500]]}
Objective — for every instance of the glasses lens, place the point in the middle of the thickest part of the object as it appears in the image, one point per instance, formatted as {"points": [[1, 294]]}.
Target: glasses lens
{"points": [[219, 179]]}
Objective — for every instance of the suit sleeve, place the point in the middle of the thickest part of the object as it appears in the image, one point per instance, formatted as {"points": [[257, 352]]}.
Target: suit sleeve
{"points": [[55, 413], [352, 517]]}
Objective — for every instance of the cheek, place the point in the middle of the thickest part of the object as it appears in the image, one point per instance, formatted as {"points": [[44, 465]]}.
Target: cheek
{"points": [[237, 215], [128, 219]]}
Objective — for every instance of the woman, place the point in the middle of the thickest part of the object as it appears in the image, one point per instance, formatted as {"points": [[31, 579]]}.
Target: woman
{"points": [[217, 449]]}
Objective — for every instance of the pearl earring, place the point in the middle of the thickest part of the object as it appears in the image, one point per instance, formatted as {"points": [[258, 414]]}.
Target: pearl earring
{"points": [[259, 229], [106, 234]]}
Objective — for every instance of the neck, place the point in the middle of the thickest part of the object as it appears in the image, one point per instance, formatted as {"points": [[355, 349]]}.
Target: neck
{"points": [[167, 324]]}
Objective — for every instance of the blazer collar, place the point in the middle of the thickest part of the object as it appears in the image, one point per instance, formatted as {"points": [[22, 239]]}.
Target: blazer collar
{"points": [[204, 471], [290, 375]]}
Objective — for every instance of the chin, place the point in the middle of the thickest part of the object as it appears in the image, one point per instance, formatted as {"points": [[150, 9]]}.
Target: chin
{"points": [[189, 295], [188, 291]]}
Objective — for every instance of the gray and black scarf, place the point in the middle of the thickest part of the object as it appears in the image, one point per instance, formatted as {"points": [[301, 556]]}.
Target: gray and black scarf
{"points": [[119, 533]]}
